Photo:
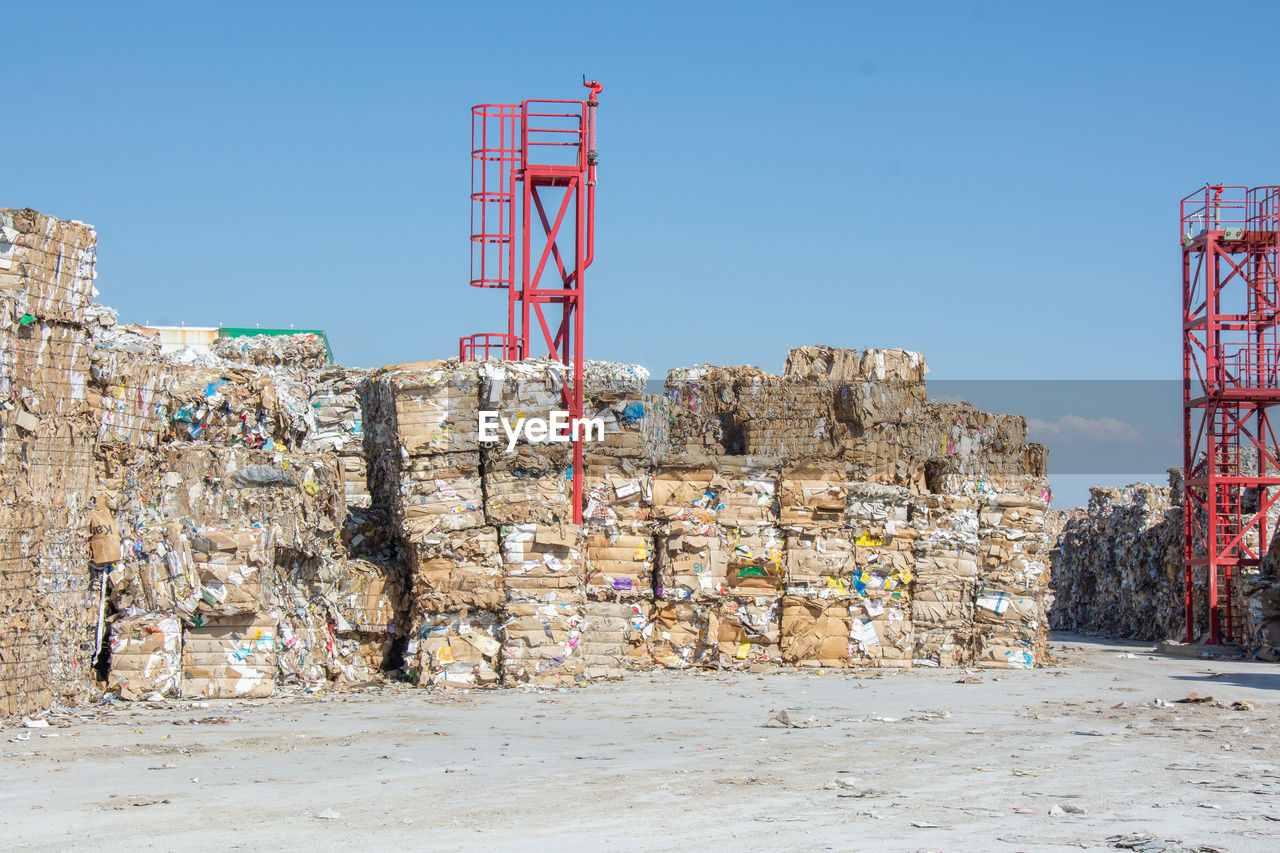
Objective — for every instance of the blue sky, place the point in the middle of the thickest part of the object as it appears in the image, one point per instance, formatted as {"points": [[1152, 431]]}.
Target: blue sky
{"points": [[995, 184]]}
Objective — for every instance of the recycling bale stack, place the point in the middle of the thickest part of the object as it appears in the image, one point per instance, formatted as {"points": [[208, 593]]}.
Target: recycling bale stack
{"points": [[219, 537], [690, 563], [337, 404], [815, 622], [747, 612], [946, 579], [1117, 568], [1011, 609], [427, 468], [48, 601]]}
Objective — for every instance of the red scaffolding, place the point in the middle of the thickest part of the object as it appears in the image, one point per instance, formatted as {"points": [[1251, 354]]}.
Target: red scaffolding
{"points": [[533, 178], [1231, 378]]}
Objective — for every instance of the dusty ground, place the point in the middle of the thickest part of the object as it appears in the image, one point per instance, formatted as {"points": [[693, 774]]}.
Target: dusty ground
{"points": [[903, 761]]}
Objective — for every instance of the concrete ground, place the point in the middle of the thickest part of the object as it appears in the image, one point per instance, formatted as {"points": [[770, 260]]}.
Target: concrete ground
{"points": [[1055, 759]]}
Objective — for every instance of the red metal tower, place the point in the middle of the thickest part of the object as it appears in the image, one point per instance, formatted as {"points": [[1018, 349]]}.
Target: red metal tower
{"points": [[533, 203], [1231, 378]]}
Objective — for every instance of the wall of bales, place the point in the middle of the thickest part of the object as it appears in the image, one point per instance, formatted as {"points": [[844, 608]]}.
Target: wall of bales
{"points": [[46, 443], [262, 519], [828, 517], [1117, 571]]}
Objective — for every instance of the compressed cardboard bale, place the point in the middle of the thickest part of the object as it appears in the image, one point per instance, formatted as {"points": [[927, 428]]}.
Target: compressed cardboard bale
{"points": [[241, 406], [941, 647], [682, 489], [530, 485], [236, 488], [748, 632], [616, 489], [861, 406], [517, 390], [232, 569], [819, 562], [613, 638], [894, 644], [944, 604], [460, 649], [543, 643], [782, 417], [337, 408], [231, 657], [1006, 607], [947, 535], [156, 573], [433, 406], [48, 263], [543, 563], [297, 349], [817, 632], [889, 364], [747, 491], [635, 426], [620, 559], [813, 495], [457, 570], [306, 647], [1008, 628], [50, 369], [680, 635], [824, 363], [691, 562], [369, 607], [753, 561], [879, 456], [439, 493], [146, 659], [1010, 647], [545, 581]]}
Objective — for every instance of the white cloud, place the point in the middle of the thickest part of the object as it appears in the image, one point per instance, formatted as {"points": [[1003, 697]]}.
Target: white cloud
{"points": [[1075, 429]]}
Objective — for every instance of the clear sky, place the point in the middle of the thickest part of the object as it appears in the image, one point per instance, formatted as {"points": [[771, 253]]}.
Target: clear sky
{"points": [[995, 184]]}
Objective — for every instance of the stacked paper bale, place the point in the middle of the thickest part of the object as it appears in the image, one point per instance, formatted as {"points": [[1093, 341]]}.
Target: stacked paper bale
{"points": [[618, 500], [748, 605], [820, 566], [337, 404], [306, 350], [230, 657], [428, 470], [884, 566], [47, 264], [946, 579], [689, 562], [545, 580], [1117, 567], [214, 535], [1011, 608], [130, 379], [47, 635], [146, 660], [459, 596]]}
